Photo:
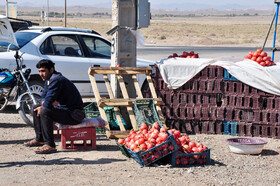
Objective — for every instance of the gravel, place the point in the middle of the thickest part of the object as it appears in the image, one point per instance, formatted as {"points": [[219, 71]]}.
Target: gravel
{"points": [[19, 165]]}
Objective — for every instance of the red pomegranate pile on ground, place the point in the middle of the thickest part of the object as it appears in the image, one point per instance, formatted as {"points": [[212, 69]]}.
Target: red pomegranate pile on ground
{"points": [[149, 137]]}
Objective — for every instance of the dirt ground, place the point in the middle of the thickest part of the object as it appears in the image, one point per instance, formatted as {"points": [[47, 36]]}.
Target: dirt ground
{"points": [[19, 165]]}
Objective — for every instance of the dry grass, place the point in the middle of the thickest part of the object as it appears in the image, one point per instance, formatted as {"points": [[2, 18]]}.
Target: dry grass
{"points": [[196, 31]]}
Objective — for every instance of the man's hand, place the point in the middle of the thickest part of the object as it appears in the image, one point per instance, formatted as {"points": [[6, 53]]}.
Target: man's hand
{"points": [[55, 103], [38, 109]]}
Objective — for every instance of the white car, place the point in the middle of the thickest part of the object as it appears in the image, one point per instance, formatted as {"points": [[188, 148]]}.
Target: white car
{"points": [[72, 50]]}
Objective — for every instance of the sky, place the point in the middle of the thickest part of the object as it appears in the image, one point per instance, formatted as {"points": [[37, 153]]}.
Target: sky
{"points": [[156, 4]]}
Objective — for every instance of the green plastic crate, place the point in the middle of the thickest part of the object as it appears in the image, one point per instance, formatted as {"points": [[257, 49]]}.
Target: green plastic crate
{"points": [[145, 112], [92, 111]]}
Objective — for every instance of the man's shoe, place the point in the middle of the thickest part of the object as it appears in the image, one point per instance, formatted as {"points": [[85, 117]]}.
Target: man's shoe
{"points": [[45, 149], [33, 143]]}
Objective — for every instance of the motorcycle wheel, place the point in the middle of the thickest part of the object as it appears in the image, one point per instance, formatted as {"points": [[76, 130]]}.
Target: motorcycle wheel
{"points": [[26, 108], [3, 103]]}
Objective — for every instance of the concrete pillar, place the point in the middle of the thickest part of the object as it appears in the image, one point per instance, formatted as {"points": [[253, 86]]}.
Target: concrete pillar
{"points": [[123, 41]]}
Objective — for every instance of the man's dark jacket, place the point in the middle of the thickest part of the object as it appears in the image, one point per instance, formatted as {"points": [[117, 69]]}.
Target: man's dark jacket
{"points": [[60, 89]]}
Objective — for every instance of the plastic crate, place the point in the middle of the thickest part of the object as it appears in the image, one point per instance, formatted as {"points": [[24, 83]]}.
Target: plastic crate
{"points": [[145, 112], [228, 76], [230, 128], [180, 159], [267, 131], [244, 129], [70, 138], [145, 158], [123, 150], [210, 72], [92, 111]]}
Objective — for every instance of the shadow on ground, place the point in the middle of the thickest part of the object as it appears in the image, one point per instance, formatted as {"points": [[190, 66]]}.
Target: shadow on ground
{"points": [[12, 125], [267, 152], [10, 142], [10, 109], [60, 161]]}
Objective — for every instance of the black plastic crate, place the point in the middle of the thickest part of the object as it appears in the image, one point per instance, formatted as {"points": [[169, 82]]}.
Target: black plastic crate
{"points": [[123, 150], [145, 158]]}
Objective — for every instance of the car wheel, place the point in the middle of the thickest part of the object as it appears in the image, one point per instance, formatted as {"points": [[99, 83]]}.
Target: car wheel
{"points": [[36, 86]]}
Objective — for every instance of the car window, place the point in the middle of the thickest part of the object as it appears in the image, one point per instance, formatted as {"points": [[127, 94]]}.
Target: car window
{"points": [[22, 39], [97, 47], [63, 45], [25, 37]]}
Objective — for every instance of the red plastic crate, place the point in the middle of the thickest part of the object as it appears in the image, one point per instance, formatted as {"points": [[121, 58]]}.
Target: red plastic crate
{"points": [[56, 132], [179, 124], [233, 87], [189, 113], [162, 84], [208, 127], [211, 72], [244, 129], [210, 86], [219, 113], [85, 135], [190, 99], [241, 101], [229, 114], [277, 102], [167, 97], [192, 86], [196, 126], [269, 131], [181, 98]]}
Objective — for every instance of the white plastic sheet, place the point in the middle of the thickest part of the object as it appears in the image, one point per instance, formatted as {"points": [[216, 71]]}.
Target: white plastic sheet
{"points": [[177, 71]]}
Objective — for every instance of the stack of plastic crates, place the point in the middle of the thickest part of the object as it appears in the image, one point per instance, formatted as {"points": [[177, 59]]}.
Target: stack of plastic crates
{"points": [[92, 111], [213, 101]]}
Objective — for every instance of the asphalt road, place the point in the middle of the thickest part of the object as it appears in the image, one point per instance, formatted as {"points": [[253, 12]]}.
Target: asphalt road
{"points": [[156, 53]]}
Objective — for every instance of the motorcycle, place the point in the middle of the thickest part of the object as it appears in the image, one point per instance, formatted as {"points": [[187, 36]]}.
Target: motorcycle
{"points": [[14, 87]]}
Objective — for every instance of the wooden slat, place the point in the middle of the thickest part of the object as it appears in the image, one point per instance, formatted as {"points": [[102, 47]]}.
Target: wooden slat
{"points": [[151, 86], [137, 86], [120, 70], [98, 97], [111, 95], [115, 134], [122, 102], [125, 101], [108, 86], [154, 95], [129, 107]]}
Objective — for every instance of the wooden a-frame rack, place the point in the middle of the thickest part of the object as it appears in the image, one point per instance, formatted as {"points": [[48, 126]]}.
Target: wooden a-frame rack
{"points": [[126, 101]]}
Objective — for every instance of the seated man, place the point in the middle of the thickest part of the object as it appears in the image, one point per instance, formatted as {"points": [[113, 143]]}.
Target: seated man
{"points": [[61, 102]]}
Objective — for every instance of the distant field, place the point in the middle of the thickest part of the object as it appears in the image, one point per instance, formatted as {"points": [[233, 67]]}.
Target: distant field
{"points": [[194, 31]]}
